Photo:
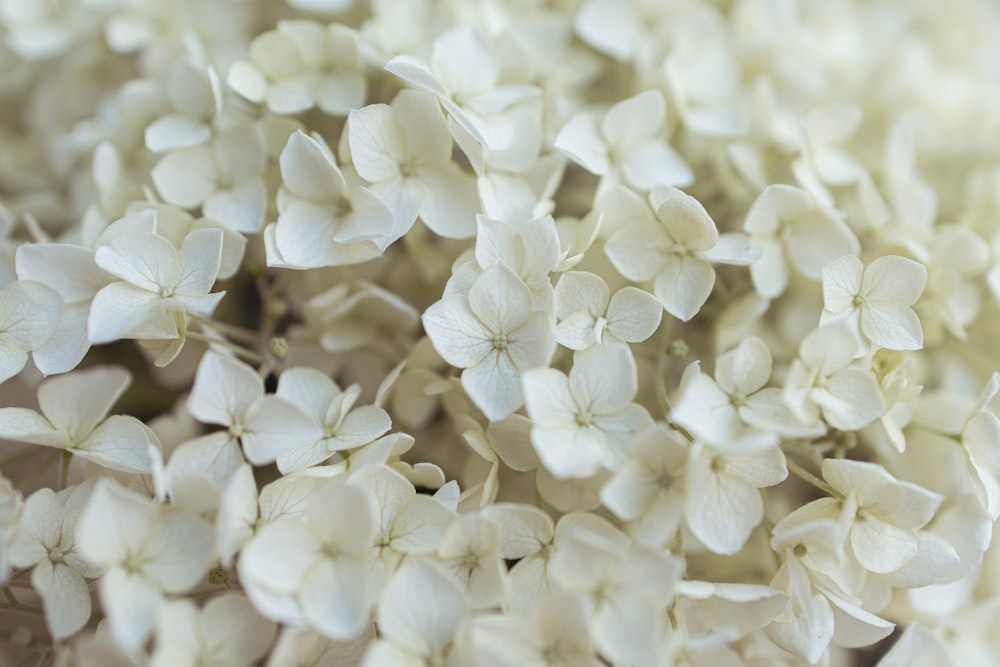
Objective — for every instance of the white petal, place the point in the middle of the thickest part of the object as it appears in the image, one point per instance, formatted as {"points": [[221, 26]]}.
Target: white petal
{"points": [[224, 389], [66, 596], [104, 542], [176, 131], [376, 142], [420, 608], [604, 380], [633, 314], [240, 208], [581, 291], [180, 553], [186, 176], [451, 204], [746, 368], [278, 557], [309, 171], [851, 400], [892, 325], [494, 385], [274, 427], [706, 410], [653, 163], [894, 278], [721, 510], [842, 283], [581, 140], [120, 443], [144, 259], [634, 119], [336, 596], [609, 27], [636, 250], [684, 285], [131, 604], [458, 335], [500, 299]]}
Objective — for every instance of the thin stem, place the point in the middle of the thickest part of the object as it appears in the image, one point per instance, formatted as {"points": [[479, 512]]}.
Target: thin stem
{"points": [[238, 332], [67, 457], [16, 605], [804, 474], [238, 349]]}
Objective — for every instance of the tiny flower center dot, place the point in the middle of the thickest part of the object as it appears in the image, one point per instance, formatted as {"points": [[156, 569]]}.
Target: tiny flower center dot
{"points": [[500, 342]]}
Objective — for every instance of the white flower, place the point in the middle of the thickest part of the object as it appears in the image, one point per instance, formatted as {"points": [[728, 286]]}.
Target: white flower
{"points": [[29, 314], [464, 74], [404, 150], [300, 65], [672, 249], [405, 522], [821, 379], [11, 511], [722, 503], [877, 298], [884, 535], [332, 411], [225, 178], [587, 317], [625, 145], [72, 272], [418, 615], [548, 636], [469, 550], [195, 93], [584, 422], [648, 490], [146, 551], [494, 335], [314, 569], [795, 231], [625, 588], [719, 410], [229, 393], [158, 283], [47, 544], [226, 631], [74, 418], [321, 220]]}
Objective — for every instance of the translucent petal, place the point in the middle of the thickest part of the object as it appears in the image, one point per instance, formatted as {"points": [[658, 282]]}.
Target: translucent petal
{"points": [[420, 608], [186, 176], [376, 141], [892, 325], [684, 285], [581, 140], [458, 335], [224, 389], [336, 596], [842, 283], [746, 368], [66, 596], [634, 119]]}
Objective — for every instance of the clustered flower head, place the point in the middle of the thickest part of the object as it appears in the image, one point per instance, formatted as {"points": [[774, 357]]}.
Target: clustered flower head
{"points": [[499, 333]]}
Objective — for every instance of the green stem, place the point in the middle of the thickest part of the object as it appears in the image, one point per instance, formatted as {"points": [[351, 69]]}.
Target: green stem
{"points": [[238, 349], [238, 332], [804, 474], [67, 457], [13, 603]]}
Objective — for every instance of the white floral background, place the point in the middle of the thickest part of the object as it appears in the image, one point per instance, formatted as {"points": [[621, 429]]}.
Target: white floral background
{"points": [[498, 333]]}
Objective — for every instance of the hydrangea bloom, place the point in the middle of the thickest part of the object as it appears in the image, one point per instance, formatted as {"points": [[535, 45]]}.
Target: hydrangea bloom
{"points": [[379, 333]]}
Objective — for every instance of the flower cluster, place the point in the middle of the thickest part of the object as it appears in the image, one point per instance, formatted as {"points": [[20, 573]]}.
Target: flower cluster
{"points": [[499, 333]]}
